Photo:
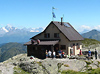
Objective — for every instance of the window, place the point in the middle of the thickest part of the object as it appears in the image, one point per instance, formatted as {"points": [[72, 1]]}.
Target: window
{"points": [[63, 47], [56, 35], [47, 35]]}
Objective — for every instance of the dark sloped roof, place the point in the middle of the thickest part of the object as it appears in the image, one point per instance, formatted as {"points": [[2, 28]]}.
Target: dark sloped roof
{"points": [[68, 31], [43, 43]]}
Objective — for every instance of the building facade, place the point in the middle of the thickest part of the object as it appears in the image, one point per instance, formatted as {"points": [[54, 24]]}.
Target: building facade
{"points": [[57, 36]]}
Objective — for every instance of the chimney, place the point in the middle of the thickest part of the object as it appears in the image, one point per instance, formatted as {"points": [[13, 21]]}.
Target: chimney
{"points": [[61, 20]]}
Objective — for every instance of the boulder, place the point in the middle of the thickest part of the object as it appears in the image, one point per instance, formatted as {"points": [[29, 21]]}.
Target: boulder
{"points": [[31, 67], [75, 65], [50, 66], [99, 56]]}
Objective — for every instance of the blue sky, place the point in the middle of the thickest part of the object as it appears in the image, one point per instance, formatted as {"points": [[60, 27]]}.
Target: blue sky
{"points": [[81, 14]]}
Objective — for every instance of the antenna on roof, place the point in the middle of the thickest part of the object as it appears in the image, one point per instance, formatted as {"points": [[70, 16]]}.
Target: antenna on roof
{"points": [[63, 17]]}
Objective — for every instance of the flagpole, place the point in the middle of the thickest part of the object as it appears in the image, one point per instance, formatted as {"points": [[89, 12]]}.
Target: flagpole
{"points": [[63, 17], [52, 14]]}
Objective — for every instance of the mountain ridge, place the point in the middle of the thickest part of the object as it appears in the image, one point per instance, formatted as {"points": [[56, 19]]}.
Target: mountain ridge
{"points": [[9, 28], [93, 34], [13, 34]]}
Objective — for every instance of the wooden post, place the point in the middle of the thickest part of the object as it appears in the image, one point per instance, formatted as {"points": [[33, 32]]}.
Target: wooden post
{"points": [[52, 48]]}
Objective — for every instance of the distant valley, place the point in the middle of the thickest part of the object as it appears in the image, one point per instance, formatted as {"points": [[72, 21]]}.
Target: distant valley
{"points": [[9, 50]]}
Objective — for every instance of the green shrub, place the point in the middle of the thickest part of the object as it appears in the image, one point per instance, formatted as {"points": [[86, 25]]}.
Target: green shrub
{"points": [[72, 72], [59, 65], [88, 63], [18, 70]]}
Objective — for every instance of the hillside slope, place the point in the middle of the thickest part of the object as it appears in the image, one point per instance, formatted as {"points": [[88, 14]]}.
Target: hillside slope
{"points": [[89, 42], [17, 37], [11, 49]]}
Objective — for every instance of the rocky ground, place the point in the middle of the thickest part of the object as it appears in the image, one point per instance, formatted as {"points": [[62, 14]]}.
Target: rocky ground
{"points": [[21, 62]]}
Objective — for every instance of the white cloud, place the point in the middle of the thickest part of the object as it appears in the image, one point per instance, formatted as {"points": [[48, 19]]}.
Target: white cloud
{"points": [[10, 26], [97, 27], [34, 30], [39, 29], [84, 28]]}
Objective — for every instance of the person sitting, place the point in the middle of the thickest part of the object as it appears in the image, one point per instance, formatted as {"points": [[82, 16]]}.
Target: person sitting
{"points": [[60, 54], [63, 54], [31, 57]]}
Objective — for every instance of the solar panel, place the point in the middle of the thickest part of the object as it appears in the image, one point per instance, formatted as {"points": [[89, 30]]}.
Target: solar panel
{"points": [[66, 24]]}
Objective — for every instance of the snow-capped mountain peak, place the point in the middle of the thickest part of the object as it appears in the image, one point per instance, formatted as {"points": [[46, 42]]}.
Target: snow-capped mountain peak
{"points": [[3, 28], [11, 30]]}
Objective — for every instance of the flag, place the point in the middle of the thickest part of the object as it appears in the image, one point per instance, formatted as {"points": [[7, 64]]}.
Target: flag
{"points": [[53, 15], [53, 8]]}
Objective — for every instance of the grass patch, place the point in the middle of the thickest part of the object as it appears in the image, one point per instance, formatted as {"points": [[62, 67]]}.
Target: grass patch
{"points": [[88, 63], [93, 71], [66, 65], [88, 68], [59, 65], [18, 70], [98, 62], [39, 63], [0, 71], [72, 72]]}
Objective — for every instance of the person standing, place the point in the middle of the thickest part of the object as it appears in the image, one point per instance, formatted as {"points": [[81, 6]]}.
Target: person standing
{"points": [[46, 54], [49, 54], [80, 52], [89, 54], [95, 54], [54, 54]]}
